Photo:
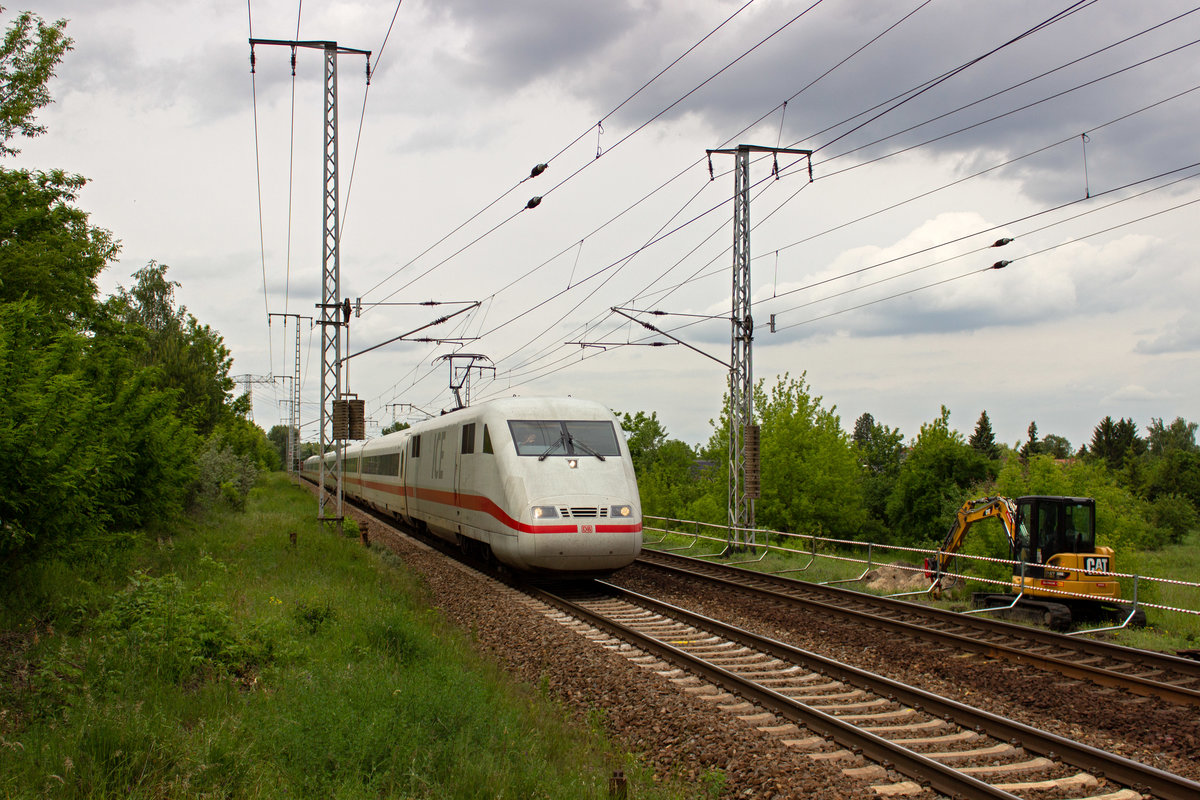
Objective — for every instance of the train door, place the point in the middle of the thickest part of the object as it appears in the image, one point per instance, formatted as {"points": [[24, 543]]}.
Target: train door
{"points": [[464, 473], [402, 473]]}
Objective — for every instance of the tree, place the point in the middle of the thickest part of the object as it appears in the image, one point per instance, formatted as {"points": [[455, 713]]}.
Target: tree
{"points": [[668, 474], [191, 357], [50, 252], [939, 469], [1112, 441], [810, 473], [1055, 446], [983, 441], [29, 55], [1031, 448], [394, 428], [1179, 435], [1176, 473], [278, 437], [644, 435], [95, 445], [881, 452], [863, 428]]}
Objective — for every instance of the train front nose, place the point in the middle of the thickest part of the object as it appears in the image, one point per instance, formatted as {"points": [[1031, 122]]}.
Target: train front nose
{"points": [[586, 534]]}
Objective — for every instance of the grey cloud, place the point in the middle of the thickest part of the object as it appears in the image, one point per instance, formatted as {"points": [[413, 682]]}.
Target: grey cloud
{"points": [[1181, 336], [513, 44], [930, 43]]}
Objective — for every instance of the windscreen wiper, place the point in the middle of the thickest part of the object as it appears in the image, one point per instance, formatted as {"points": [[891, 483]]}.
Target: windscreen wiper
{"points": [[576, 443], [560, 442]]}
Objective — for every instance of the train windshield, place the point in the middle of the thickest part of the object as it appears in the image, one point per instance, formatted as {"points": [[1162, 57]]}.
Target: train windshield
{"points": [[564, 437]]}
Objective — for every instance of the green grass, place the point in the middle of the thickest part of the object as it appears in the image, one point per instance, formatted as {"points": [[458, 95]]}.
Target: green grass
{"points": [[222, 661], [1169, 630]]}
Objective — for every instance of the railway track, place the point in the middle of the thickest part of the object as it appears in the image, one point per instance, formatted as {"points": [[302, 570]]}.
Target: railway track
{"points": [[836, 712], [1146, 673], [889, 738]]}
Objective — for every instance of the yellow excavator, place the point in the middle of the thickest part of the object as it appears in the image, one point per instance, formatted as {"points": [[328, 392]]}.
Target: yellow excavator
{"points": [[1060, 577]]}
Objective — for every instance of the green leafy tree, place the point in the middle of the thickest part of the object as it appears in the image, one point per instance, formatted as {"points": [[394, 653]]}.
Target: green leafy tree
{"points": [[644, 435], [1179, 435], [1055, 446], [674, 481], [881, 452], [1176, 473], [191, 357], [670, 478], [50, 252], [1123, 520], [1031, 447], [810, 467], [31, 51], [394, 428], [96, 445], [278, 437], [933, 482], [105, 405]]}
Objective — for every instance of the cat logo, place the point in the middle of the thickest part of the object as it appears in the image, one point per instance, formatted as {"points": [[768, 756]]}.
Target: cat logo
{"points": [[1095, 564]]}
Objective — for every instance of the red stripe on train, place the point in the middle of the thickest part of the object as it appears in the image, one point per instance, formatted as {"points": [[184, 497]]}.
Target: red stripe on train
{"points": [[478, 502]]}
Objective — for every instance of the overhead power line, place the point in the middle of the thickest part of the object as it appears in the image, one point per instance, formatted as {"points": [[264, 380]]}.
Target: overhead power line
{"points": [[997, 265], [576, 240], [572, 175]]}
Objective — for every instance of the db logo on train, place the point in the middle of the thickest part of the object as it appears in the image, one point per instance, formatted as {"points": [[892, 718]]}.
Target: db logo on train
{"points": [[587, 528], [1095, 564]]}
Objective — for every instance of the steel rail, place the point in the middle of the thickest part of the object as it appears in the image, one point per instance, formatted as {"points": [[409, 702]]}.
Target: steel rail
{"points": [[1149, 687], [944, 779], [1119, 769]]}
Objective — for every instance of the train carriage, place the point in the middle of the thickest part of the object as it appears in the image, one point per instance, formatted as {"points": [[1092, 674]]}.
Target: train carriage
{"points": [[544, 484]]}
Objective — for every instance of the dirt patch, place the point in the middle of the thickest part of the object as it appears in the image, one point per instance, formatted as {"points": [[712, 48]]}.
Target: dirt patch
{"points": [[898, 576]]}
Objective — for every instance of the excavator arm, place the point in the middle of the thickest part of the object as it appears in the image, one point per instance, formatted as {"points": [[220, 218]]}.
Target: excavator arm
{"points": [[968, 514]]}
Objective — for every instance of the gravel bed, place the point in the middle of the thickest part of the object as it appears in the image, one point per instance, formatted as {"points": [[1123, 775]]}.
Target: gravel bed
{"points": [[1163, 735], [674, 733]]}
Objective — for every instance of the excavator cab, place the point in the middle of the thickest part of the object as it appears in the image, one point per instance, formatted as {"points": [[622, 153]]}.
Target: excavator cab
{"points": [[1048, 526]]}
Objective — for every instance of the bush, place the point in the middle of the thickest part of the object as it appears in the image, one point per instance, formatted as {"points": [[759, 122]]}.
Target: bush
{"points": [[171, 632], [1176, 515], [224, 475]]}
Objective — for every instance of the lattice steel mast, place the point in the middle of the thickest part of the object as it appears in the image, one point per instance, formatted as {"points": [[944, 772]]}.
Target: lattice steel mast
{"points": [[293, 444], [331, 339], [743, 455]]}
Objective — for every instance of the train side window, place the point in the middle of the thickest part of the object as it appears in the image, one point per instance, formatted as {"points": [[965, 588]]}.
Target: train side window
{"points": [[468, 438], [415, 447], [487, 441]]}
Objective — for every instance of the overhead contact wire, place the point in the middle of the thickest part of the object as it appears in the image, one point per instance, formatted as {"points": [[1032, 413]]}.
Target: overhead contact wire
{"points": [[262, 241]]}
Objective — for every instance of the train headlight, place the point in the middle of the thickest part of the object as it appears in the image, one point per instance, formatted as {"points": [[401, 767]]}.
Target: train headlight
{"points": [[620, 511], [545, 512]]}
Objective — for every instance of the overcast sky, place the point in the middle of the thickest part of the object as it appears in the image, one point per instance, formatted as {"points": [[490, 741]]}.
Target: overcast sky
{"points": [[937, 128]]}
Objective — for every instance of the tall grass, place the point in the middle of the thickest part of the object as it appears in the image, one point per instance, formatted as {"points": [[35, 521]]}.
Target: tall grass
{"points": [[223, 661]]}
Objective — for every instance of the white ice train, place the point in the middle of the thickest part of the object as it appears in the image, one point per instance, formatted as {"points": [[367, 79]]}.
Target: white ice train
{"points": [[545, 485]]}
